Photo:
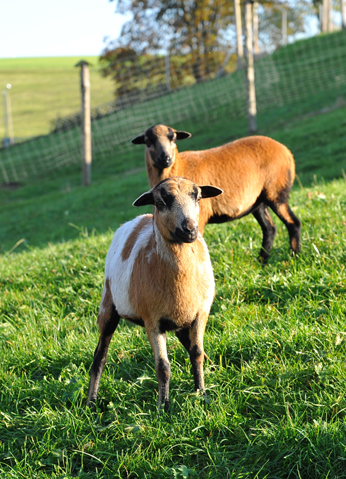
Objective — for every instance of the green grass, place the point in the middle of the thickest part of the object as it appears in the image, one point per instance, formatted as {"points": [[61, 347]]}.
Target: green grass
{"points": [[276, 335], [301, 79], [46, 88], [29, 212], [296, 80], [275, 381]]}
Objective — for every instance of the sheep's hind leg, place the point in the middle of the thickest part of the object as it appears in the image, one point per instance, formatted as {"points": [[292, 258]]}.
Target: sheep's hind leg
{"points": [[264, 219], [108, 321], [292, 223]]}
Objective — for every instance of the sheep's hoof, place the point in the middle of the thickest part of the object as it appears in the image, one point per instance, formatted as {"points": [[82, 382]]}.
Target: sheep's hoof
{"points": [[205, 397], [91, 405], [263, 260], [163, 407]]}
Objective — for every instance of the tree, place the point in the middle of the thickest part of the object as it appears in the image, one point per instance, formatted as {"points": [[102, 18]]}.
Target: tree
{"points": [[298, 12], [198, 36], [323, 9], [197, 29]]}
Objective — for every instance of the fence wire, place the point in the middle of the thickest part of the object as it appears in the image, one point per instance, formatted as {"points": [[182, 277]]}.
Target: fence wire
{"points": [[312, 70]]}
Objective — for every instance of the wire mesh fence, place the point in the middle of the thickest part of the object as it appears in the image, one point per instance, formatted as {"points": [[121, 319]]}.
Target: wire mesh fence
{"points": [[309, 72]]}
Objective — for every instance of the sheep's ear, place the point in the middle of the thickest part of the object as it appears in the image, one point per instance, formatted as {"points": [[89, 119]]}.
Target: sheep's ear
{"points": [[210, 191], [139, 140], [145, 199], [182, 135]]}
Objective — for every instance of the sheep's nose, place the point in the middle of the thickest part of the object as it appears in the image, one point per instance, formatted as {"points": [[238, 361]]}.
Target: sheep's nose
{"points": [[189, 225], [188, 231], [164, 158]]}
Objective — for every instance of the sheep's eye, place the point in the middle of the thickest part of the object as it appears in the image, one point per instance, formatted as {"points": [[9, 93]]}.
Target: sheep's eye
{"points": [[195, 195], [160, 204]]}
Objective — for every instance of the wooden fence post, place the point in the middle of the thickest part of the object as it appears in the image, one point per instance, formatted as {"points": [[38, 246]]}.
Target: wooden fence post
{"points": [[255, 29], [86, 122], [343, 14], [8, 124], [237, 12], [283, 26], [326, 19], [168, 72], [250, 69]]}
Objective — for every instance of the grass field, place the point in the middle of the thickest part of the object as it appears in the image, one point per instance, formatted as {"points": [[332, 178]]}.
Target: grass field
{"points": [[46, 88], [276, 381], [276, 338], [276, 335], [28, 213]]}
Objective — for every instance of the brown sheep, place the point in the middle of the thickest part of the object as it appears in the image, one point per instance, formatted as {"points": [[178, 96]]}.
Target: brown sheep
{"points": [[254, 172], [158, 275]]}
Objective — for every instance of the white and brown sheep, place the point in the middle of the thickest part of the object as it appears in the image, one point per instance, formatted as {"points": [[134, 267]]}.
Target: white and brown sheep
{"points": [[158, 275], [255, 173]]}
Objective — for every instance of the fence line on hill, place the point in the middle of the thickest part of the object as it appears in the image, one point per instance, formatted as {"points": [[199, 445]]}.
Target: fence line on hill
{"points": [[311, 70]]}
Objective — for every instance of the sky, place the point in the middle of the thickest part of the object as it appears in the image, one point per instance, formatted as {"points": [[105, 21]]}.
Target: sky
{"points": [[45, 28], [39, 28]]}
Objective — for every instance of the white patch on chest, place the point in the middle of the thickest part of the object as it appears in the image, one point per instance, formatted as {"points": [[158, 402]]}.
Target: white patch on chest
{"points": [[120, 271]]}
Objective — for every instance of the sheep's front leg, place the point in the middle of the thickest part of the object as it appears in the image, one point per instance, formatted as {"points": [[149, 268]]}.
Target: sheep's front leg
{"points": [[108, 319], [196, 350], [162, 366]]}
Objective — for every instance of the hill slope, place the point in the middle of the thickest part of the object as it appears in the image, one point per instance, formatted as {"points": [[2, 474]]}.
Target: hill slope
{"points": [[46, 88], [275, 379], [276, 375]]}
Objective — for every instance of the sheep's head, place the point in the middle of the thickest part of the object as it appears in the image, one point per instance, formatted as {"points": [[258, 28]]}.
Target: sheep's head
{"points": [[176, 207], [160, 142]]}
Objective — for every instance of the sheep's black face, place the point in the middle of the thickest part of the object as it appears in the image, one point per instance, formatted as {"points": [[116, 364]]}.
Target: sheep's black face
{"points": [[161, 145]]}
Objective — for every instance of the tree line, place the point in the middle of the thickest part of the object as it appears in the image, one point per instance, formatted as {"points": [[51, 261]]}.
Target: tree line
{"points": [[197, 37]]}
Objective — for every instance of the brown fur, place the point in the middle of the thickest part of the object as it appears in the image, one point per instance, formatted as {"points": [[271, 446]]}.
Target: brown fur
{"points": [[131, 240], [174, 285], [105, 306], [171, 286], [251, 171], [173, 289], [242, 169]]}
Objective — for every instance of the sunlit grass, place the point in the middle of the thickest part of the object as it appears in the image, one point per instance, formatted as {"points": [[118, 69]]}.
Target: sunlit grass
{"points": [[46, 88], [275, 339], [275, 380]]}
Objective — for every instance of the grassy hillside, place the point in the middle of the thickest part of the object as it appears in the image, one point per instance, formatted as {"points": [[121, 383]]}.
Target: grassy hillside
{"points": [[276, 377], [275, 336], [28, 213], [301, 79], [46, 88]]}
